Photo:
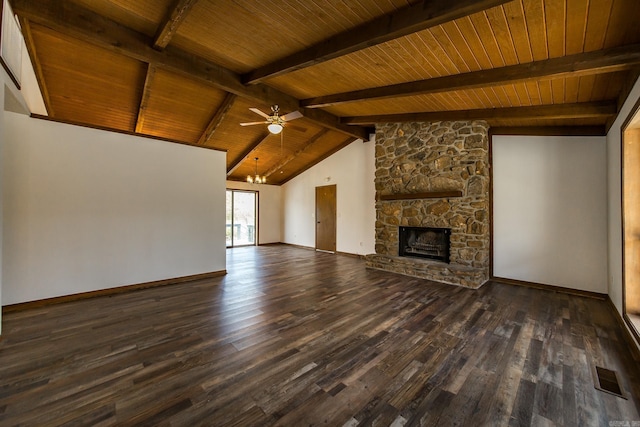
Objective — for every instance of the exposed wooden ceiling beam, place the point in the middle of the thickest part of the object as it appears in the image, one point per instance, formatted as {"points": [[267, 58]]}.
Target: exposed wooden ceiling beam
{"points": [[625, 91], [557, 111], [170, 25], [217, 118], [146, 94], [115, 130], [73, 20], [286, 161], [250, 149], [601, 61], [549, 130], [408, 20]]}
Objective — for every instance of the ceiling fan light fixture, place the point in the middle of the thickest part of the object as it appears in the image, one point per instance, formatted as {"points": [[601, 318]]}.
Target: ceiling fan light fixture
{"points": [[275, 128]]}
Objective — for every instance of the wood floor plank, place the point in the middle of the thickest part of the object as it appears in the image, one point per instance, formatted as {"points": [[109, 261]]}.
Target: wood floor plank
{"points": [[294, 337], [523, 407]]}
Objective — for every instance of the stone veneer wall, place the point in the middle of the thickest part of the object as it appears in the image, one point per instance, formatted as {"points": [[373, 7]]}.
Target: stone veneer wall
{"points": [[430, 157]]}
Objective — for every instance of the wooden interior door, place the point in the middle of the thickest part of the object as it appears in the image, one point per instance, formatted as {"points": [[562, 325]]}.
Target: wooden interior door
{"points": [[326, 218]]}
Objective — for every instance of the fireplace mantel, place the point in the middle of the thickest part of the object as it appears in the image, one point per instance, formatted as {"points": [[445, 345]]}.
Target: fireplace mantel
{"points": [[426, 195]]}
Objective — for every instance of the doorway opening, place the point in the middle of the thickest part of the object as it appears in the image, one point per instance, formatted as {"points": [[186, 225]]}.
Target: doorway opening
{"points": [[242, 208], [631, 220]]}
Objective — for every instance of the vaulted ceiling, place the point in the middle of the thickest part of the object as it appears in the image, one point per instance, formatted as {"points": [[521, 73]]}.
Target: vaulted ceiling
{"points": [[189, 70]]}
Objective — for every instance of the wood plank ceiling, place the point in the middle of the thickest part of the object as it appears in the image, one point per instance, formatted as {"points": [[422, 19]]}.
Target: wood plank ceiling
{"points": [[189, 70]]}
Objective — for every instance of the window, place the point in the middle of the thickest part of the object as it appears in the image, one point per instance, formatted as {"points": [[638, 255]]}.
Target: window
{"points": [[631, 219], [10, 44]]}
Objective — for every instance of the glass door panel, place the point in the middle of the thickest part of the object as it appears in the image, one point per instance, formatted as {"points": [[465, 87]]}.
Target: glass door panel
{"points": [[229, 216], [241, 218]]}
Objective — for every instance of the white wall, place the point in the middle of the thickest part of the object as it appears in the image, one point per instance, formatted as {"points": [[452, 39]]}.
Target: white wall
{"points": [[549, 210], [29, 86], [269, 210], [7, 88], [614, 201], [86, 209], [352, 169], [28, 99], [3, 79]]}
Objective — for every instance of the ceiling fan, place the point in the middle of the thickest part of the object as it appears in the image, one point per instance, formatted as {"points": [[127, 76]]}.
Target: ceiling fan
{"points": [[274, 121]]}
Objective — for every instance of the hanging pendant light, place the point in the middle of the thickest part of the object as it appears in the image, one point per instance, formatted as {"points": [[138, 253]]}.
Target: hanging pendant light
{"points": [[257, 179]]}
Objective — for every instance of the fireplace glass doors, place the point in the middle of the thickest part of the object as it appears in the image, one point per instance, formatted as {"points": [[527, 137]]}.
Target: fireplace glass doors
{"points": [[425, 242]]}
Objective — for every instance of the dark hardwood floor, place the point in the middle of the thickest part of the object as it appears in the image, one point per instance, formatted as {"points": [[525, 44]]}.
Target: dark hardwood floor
{"points": [[291, 337]]}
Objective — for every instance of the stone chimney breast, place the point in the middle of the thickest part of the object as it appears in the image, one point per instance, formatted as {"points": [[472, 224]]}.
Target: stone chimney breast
{"points": [[434, 175]]}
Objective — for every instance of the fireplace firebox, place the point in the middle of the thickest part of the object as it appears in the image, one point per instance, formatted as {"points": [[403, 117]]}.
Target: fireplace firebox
{"points": [[425, 242]]}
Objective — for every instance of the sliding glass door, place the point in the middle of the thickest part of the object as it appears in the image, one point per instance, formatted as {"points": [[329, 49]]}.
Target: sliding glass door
{"points": [[241, 218]]}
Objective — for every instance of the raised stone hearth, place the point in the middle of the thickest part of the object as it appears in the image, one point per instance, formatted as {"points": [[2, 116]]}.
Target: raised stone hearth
{"points": [[427, 160]]}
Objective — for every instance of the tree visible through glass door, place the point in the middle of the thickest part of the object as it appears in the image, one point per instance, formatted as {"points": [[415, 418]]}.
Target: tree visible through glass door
{"points": [[241, 215]]}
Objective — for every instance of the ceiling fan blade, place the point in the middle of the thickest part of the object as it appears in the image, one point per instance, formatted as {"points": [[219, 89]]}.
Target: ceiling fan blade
{"points": [[260, 113], [291, 116], [253, 123]]}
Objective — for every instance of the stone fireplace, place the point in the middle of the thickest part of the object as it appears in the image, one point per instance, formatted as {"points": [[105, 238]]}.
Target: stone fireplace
{"points": [[433, 176]]}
